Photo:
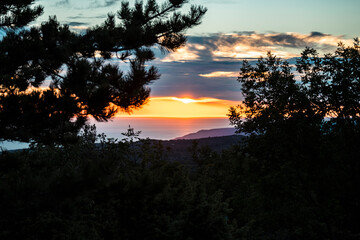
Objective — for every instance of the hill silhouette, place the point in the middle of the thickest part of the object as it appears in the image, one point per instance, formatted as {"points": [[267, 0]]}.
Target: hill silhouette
{"points": [[217, 132]]}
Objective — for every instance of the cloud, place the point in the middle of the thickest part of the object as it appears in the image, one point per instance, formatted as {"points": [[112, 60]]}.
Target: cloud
{"points": [[109, 3], [87, 4], [76, 24], [62, 3], [317, 34], [252, 45], [187, 53], [104, 3], [79, 28], [218, 1], [81, 16], [208, 65], [220, 74]]}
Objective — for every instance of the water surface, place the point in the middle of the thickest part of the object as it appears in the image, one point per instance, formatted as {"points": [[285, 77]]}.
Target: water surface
{"points": [[154, 128], [160, 128]]}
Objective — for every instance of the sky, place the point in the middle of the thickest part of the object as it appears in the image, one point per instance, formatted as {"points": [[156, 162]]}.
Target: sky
{"points": [[199, 80]]}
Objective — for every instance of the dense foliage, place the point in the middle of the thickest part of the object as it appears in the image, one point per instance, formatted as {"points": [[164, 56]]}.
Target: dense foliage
{"points": [[82, 82], [111, 190], [298, 175], [327, 92], [295, 177]]}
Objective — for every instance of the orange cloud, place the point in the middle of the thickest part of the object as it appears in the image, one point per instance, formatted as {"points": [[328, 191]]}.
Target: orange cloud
{"points": [[242, 51], [79, 27], [187, 53], [175, 107], [323, 39], [220, 74], [245, 45]]}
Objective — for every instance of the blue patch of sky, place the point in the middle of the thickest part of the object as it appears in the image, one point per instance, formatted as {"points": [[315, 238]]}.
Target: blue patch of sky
{"points": [[329, 16], [223, 16]]}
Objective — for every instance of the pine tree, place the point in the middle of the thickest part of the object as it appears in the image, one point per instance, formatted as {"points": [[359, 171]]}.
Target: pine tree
{"points": [[83, 80]]}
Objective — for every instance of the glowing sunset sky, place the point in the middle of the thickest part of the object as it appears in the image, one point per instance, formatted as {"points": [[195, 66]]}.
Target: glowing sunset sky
{"points": [[205, 70], [175, 107]]}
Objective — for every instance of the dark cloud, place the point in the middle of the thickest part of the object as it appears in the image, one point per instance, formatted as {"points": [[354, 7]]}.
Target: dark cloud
{"points": [[91, 4], [77, 24], [81, 16], [62, 3], [258, 40], [218, 1], [286, 40], [109, 3], [191, 69], [317, 34], [208, 65], [248, 33], [76, 17], [251, 45]]}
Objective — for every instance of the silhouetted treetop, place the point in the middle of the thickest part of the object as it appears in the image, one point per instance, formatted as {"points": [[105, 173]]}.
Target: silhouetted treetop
{"points": [[327, 93], [18, 13], [84, 81], [296, 176]]}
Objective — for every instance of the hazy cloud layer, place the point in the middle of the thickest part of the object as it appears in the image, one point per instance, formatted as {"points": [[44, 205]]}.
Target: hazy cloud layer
{"points": [[77, 24], [87, 4], [81, 16], [104, 3], [62, 3], [251, 45], [208, 66], [183, 79]]}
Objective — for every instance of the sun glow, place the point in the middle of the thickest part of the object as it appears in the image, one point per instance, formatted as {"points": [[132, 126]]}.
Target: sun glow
{"points": [[183, 107], [184, 100], [187, 100]]}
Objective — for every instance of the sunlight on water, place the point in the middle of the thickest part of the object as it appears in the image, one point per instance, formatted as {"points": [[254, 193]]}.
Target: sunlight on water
{"points": [[155, 128], [160, 128], [7, 145]]}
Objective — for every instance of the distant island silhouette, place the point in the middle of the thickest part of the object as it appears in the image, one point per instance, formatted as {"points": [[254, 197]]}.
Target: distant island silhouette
{"points": [[216, 132]]}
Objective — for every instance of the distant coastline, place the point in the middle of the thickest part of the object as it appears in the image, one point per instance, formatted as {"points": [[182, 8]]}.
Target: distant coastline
{"points": [[150, 127], [206, 133]]}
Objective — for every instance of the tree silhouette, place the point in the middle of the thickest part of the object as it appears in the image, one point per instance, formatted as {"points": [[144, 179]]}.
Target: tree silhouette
{"points": [[83, 82], [86, 191], [327, 94], [299, 169]]}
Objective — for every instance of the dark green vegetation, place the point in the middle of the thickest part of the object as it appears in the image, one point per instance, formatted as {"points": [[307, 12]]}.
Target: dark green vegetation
{"points": [[298, 177], [295, 177], [107, 191], [92, 85]]}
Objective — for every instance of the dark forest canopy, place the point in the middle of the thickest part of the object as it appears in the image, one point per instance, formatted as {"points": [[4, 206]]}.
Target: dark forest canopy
{"points": [[297, 177], [90, 86]]}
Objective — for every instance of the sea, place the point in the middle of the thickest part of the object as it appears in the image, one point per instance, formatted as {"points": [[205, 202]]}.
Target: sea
{"points": [[154, 128]]}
